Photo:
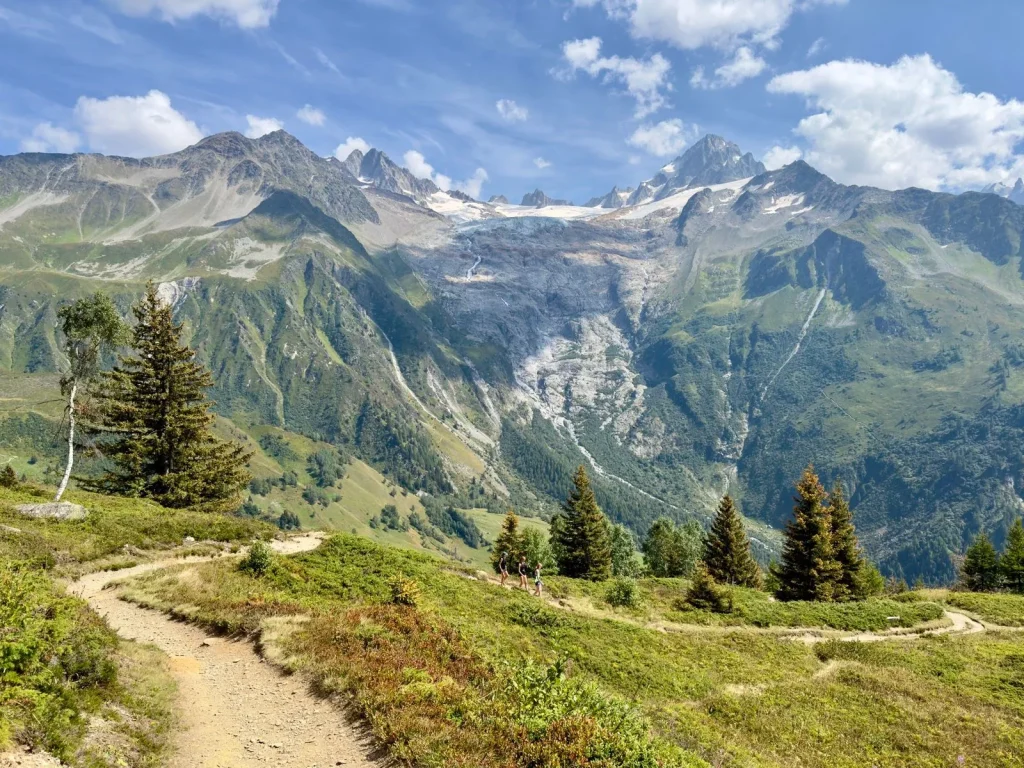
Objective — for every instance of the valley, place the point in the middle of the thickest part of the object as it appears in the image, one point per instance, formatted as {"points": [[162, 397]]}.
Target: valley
{"points": [[714, 334]]}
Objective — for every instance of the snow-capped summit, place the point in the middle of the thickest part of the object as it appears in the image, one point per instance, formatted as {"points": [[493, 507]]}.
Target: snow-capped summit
{"points": [[712, 160], [1014, 194], [614, 199]]}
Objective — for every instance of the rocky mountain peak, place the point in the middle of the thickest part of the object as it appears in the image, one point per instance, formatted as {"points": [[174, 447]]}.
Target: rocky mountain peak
{"points": [[537, 199], [711, 160]]}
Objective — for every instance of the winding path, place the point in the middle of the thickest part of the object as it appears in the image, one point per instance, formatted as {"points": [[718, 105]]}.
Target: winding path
{"points": [[235, 710]]}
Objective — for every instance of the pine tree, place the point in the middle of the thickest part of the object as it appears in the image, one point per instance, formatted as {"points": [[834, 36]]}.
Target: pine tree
{"points": [[158, 423], [584, 544], [846, 547], [509, 542], [1012, 562], [727, 549], [980, 570], [809, 569]]}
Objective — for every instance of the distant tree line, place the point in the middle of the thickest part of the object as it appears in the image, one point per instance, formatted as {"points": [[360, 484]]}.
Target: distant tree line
{"points": [[986, 570]]}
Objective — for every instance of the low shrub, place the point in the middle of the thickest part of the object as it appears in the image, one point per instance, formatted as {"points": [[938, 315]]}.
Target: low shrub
{"points": [[623, 593], [404, 591], [258, 560]]}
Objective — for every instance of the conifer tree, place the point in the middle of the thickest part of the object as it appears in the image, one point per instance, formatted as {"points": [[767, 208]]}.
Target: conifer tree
{"points": [[509, 542], [809, 569], [584, 546], [846, 547], [980, 570], [1012, 562], [158, 423], [727, 549]]}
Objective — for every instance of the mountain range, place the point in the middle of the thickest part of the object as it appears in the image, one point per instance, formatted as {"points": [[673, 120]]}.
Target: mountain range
{"points": [[713, 330]]}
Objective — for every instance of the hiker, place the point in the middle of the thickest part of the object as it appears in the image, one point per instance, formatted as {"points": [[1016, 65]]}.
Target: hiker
{"points": [[523, 568], [537, 581], [503, 567]]}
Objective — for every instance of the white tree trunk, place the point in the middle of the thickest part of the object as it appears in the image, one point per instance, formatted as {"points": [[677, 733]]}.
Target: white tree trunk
{"points": [[71, 441]]}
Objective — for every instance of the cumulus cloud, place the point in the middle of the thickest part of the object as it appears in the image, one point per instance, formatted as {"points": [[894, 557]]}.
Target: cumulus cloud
{"points": [[247, 14], [692, 24], [744, 65], [541, 163], [352, 143], [418, 166], [644, 80], [777, 157], [261, 126], [311, 115], [46, 137], [907, 124], [511, 111], [136, 126], [669, 137]]}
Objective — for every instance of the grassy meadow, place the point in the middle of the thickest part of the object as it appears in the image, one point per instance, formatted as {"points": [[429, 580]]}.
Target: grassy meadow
{"points": [[430, 676]]}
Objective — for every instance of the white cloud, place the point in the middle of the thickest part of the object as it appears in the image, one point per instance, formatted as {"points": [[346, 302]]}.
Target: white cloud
{"points": [[645, 81], [692, 24], [777, 157], [817, 47], [311, 115], [541, 163], [352, 143], [261, 126], [247, 14], [669, 137], [46, 137], [418, 166], [745, 64], [136, 126], [511, 111], [326, 60], [474, 185], [908, 124]]}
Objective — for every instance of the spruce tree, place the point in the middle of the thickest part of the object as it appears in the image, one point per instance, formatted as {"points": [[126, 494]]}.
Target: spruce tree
{"points": [[846, 547], [727, 549], [157, 421], [509, 542], [980, 570], [1012, 562], [809, 569], [584, 546]]}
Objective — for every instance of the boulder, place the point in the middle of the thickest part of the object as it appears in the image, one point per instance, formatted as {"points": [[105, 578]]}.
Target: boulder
{"points": [[61, 510]]}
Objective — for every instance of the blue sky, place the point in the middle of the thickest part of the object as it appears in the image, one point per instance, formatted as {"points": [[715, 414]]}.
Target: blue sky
{"points": [[501, 96]]}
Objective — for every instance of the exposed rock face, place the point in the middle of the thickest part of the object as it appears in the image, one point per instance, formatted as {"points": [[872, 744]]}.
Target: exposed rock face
{"points": [[54, 511], [614, 199], [712, 160], [498, 200], [538, 199]]}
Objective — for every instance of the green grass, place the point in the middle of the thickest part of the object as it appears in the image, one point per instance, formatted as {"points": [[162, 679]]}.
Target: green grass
{"points": [[113, 525], [68, 685], [736, 696], [1005, 610], [662, 600]]}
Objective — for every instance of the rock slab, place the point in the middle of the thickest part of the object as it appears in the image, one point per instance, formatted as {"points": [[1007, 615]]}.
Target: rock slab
{"points": [[62, 510]]}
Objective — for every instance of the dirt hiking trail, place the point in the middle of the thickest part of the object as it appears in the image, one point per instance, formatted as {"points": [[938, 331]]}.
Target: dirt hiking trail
{"points": [[235, 710]]}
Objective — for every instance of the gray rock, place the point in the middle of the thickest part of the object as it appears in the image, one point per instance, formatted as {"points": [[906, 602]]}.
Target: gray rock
{"points": [[62, 510]]}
